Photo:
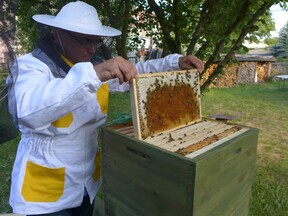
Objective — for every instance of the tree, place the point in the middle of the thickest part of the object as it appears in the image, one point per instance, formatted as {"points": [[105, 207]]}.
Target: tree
{"points": [[271, 41], [28, 31], [206, 28], [281, 48], [7, 24], [220, 26], [118, 13], [249, 21]]}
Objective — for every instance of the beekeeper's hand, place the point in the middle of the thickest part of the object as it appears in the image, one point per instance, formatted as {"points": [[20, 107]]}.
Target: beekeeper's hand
{"points": [[117, 67], [191, 62]]}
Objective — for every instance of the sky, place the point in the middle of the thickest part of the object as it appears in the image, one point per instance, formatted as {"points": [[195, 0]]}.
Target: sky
{"points": [[280, 18]]}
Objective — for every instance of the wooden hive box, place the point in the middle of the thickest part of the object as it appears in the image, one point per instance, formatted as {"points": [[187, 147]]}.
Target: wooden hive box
{"points": [[201, 168]]}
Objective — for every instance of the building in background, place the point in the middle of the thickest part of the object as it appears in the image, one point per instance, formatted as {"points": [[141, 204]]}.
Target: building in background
{"points": [[4, 57]]}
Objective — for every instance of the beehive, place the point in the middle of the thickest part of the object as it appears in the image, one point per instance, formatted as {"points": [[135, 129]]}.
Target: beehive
{"points": [[202, 167], [164, 101]]}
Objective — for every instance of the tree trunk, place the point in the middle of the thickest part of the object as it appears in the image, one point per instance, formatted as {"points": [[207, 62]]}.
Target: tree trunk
{"points": [[264, 7], [201, 50], [207, 9], [176, 21], [8, 25], [122, 50], [116, 20], [234, 25], [168, 40]]}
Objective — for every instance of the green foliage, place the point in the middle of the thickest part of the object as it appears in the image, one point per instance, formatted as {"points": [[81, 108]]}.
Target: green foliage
{"points": [[2, 81], [204, 28], [262, 28], [142, 18], [179, 25], [271, 41], [224, 19], [281, 48], [27, 30]]}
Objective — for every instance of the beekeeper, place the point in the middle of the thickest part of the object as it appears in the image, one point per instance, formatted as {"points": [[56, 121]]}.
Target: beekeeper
{"points": [[58, 101]]}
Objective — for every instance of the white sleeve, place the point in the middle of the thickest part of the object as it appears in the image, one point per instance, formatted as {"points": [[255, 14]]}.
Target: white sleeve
{"points": [[40, 98], [168, 63]]}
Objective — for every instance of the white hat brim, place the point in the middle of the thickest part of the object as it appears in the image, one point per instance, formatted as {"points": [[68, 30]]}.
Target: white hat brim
{"points": [[99, 31]]}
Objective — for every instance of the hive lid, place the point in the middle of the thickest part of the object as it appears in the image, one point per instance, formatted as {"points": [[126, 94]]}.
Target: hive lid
{"points": [[164, 101]]}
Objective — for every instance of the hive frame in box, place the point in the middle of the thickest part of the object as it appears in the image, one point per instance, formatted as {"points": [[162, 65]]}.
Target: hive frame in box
{"points": [[202, 167], [141, 178], [164, 101]]}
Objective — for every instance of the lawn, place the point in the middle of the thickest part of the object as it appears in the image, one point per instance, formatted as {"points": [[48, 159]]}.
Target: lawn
{"points": [[264, 106]]}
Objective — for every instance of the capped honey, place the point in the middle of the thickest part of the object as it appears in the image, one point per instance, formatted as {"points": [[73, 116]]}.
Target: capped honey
{"points": [[164, 101]]}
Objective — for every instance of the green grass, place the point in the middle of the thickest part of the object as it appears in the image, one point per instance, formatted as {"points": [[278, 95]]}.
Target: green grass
{"points": [[118, 103], [7, 156], [263, 106]]}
